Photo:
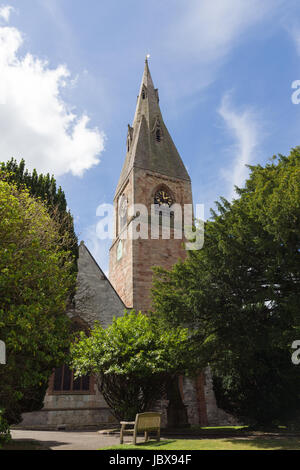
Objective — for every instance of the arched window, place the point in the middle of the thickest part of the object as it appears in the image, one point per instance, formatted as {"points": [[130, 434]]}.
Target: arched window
{"points": [[144, 92], [122, 212], [63, 380], [157, 130]]}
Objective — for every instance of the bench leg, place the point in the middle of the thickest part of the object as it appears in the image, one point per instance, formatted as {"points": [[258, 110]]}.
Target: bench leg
{"points": [[146, 436], [134, 436], [122, 434], [158, 435]]}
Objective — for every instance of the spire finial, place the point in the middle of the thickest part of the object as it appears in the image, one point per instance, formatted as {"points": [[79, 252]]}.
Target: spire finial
{"points": [[147, 57]]}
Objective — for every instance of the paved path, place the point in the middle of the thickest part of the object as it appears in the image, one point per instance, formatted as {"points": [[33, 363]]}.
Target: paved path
{"points": [[62, 440]]}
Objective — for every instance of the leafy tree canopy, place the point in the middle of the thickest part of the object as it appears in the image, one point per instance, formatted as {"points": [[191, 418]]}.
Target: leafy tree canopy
{"points": [[241, 292], [133, 359], [43, 187], [36, 275]]}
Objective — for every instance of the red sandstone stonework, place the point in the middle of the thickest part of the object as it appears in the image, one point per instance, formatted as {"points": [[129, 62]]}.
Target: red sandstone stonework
{"points": [[131, 275]]}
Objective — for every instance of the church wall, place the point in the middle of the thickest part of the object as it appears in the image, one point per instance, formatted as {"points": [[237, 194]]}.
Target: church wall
{"points": [[131, 275], [161, 252], [215, 416], [120, 267], [145, 182], [95, 298], [71, 411]]}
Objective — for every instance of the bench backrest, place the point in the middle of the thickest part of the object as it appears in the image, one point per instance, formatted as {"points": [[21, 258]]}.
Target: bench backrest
{"points": [[147, 421]]}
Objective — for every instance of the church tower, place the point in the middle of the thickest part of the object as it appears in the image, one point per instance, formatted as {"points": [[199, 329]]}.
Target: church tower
{"points": [[153, 174]]}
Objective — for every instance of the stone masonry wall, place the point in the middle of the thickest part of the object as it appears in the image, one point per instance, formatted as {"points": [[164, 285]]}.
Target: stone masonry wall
{"points": [[95, 299], [120, 256]]}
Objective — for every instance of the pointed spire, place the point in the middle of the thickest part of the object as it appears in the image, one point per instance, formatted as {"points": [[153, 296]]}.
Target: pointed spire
{"points": [[149, 144], [147, 79], [147, 96]]}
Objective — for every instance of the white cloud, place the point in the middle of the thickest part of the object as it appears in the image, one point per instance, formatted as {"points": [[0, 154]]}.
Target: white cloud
{"points": [[5, 11], [245, 127], [35, 122]]}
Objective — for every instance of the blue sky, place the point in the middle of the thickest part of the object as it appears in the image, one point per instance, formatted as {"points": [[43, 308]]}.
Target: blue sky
{"points": [[70, 73]]}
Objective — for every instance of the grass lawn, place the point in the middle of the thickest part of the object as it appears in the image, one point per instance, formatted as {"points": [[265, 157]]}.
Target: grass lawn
{"points": [[256, 443]]}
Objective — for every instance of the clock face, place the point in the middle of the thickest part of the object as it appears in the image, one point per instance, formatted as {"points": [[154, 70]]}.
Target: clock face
{"points": [[163, 198]]}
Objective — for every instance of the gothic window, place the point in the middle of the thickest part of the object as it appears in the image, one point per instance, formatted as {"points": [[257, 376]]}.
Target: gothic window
{"points": [[157, 130], [122, 212], [119, 250], [64, 381], [144, 93]]}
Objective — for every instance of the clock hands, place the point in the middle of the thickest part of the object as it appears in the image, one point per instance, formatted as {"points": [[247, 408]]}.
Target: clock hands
{"points": [[163, 198]]}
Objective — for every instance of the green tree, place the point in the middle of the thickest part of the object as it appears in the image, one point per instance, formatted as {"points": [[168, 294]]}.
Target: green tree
{"points": [[44, 187], [36, 276], [134, 361], [5, 435], [241, 292]]}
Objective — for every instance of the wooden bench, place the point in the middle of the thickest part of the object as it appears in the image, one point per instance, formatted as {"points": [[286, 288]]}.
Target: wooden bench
{"points": [[144, 422]]}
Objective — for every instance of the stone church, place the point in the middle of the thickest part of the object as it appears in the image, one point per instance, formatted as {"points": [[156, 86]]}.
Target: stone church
{"points": [[153, 173]]}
